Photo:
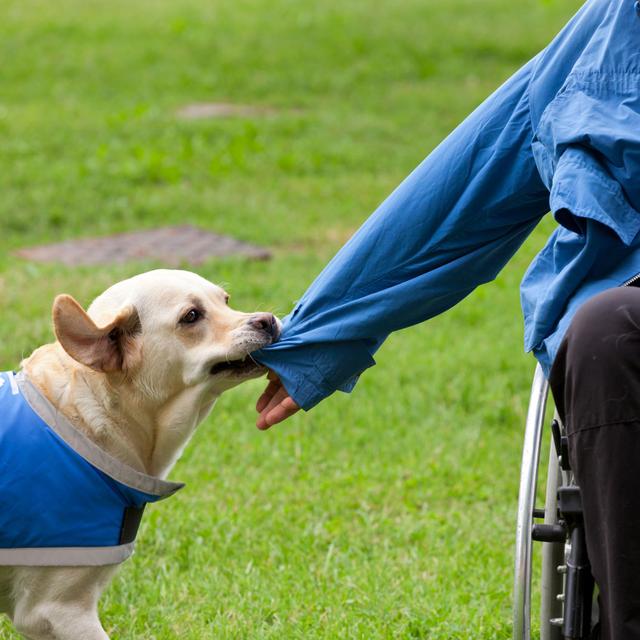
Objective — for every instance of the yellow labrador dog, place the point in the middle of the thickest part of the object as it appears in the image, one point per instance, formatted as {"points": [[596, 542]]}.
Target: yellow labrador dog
{"points": [[114, 401]]}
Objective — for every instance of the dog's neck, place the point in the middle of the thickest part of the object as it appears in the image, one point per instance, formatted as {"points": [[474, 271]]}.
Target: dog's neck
{"points": [[149, 436]]}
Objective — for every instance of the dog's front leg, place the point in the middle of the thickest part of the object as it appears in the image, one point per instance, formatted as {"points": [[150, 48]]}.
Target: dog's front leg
{"points": [[55, 622], [52, 603]]}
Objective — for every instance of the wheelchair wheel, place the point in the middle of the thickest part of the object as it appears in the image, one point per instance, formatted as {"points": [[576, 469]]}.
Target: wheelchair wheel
{"points": [[553, 556], [566, 586], [526, 505]]}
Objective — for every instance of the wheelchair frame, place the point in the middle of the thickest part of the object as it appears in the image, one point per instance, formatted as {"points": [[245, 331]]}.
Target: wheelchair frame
{"points": [[566, 582]]}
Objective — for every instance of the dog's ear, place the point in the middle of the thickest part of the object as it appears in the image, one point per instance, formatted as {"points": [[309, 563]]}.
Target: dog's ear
{"points": [[108, 349]]}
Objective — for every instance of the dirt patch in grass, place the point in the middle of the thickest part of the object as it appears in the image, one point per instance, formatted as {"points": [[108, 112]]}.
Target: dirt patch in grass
{"points": [[205, 110], [172, 246]]}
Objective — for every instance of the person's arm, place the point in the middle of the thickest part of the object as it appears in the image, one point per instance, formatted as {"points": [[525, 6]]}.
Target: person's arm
{"points": [[449, 227], [465, 210]]}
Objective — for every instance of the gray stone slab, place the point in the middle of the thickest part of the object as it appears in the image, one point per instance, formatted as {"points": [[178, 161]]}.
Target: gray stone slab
{"points": [[171, 245]]}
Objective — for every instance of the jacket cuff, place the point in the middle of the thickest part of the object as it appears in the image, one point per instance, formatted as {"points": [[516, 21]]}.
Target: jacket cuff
{"points": [[582, 189], [311, 372]]}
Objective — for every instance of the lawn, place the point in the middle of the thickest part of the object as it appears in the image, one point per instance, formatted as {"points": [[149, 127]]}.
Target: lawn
{"points": [[388, 513]]}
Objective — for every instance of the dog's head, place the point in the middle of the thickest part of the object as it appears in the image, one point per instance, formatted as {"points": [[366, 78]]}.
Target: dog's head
{"points": [[165, 331]]}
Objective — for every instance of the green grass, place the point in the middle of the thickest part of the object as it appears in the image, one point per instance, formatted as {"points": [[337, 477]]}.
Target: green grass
{"points": [[385, 514]]}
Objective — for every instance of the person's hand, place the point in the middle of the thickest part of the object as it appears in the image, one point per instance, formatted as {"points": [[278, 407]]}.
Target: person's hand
{"points": [[275, 404]]}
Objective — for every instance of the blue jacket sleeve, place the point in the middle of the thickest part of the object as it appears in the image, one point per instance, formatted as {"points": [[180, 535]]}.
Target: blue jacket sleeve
{"points": [[449, 227]]}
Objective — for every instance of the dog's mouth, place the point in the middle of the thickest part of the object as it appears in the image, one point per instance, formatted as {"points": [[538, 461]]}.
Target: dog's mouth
{"points": [[236, 367]]}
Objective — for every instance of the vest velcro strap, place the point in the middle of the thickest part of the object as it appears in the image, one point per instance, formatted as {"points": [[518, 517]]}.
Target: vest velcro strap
{"points": [[130, 523]]}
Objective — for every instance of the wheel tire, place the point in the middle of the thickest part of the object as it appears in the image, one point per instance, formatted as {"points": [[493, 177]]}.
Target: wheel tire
{"points": [[552, 556]]}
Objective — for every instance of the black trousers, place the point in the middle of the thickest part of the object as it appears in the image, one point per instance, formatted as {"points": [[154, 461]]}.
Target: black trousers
{"points": [[595, 381]]}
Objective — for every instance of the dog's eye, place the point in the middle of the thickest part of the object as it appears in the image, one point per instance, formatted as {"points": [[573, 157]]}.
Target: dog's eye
{"points": [[193, 315], [226, 298]]}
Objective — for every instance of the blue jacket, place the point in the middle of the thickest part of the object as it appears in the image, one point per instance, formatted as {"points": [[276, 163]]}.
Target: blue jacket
{"points": [[63, 500], [562, 134]]}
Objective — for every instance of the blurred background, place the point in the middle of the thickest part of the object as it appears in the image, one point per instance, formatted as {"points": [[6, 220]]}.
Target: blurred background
{"points": [[389, 513]]}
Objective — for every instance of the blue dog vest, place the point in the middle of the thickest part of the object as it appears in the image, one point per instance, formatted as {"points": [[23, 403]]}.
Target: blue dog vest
{"points": [[63, 500]]}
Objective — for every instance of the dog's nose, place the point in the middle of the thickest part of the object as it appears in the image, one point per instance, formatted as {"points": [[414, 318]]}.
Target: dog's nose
{"points": [[265, 322]]}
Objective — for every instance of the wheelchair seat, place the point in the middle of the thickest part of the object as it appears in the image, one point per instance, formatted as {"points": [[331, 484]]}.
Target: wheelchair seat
{"points": [[566, 584]]}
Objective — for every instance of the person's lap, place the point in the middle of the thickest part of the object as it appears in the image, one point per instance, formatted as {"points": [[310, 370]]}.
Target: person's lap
{"points": [[596, 385]]}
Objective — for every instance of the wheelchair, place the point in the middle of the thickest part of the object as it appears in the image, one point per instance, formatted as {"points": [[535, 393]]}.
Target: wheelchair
{"points": [[567, 606]]}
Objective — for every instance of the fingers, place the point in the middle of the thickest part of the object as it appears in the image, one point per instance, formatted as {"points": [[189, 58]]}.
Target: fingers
{"points": [[268, 394], [275, 404], [274, 400], [279, 408], [280, 412]]}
